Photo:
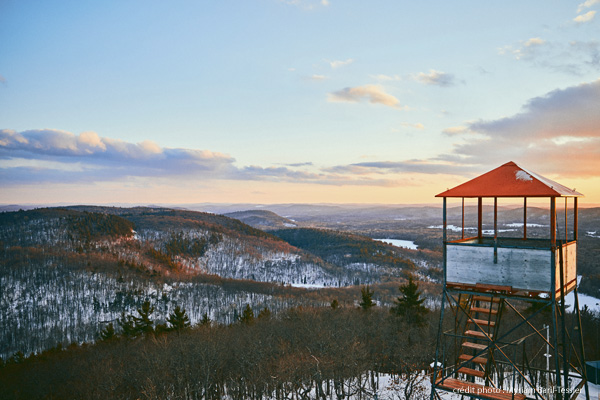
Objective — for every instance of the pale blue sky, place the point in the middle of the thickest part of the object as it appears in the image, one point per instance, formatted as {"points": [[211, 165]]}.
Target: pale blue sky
{"points": [[292, 98]]}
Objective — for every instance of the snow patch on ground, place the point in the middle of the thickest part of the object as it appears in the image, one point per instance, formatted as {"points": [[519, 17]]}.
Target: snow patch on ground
{"points": [[453, 228], [307, 285], [593, 303], [407, 244]]}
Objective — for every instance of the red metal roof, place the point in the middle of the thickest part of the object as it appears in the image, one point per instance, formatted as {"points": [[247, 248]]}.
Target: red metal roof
{"points": [[510, 180]]}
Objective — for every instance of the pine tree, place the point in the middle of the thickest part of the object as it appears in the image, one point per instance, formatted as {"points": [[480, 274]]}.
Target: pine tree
{"points": [[247, 317], [144, 324], [367, 298], [178, 319], [410, 304], [108, 333], [205, 321], [335, 304], [127, 324]]}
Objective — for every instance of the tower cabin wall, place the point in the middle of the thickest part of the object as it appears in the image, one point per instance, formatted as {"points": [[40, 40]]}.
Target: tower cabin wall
{"points": [[469, 263]]}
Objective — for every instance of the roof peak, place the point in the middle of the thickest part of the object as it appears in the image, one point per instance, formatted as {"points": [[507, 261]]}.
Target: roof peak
{"points": [[510, 180]]}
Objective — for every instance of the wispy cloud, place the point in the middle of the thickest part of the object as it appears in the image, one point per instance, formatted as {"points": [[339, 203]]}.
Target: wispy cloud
{"points": [[54, 156], [430, 167], [296, 165], [455, 130], [437, 78], [587, 4], [340, 63], [559, 132], [307, 4], [526, 49], [583, 18], [88, 154], [317, 77], [383, 77], [575, 57], [417, 125], [374, 94]]}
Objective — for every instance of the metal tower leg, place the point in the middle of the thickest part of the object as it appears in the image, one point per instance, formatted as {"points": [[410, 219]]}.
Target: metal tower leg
{"points": [[581, 347], [437, 347]]}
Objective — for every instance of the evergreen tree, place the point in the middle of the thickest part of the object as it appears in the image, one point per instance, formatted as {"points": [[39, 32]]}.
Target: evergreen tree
{"points": [[205, 321], [127, 324], [178, 319], [335, 304], [367, 298], [108, 332], [247, 317], [144, 324], [410, 304]]}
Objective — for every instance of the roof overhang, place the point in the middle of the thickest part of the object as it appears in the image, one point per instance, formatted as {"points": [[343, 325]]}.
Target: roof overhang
{"points": [[510, 180]]}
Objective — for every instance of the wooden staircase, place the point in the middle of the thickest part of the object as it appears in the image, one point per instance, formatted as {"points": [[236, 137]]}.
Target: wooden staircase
{"points": [[483, 318]]}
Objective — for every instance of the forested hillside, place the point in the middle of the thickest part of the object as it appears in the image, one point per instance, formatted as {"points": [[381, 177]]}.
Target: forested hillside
{"points": [[65, 273], [320, 353]]}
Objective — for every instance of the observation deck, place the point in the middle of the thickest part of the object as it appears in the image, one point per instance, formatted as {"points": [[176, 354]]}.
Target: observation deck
{"points": [[524, 266]]}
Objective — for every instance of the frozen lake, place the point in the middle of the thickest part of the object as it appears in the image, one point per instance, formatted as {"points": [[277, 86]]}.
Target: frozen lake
{"points": [[407, 244]]}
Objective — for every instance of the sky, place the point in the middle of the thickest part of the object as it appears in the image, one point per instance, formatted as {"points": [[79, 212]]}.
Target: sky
{"points": [[292, 101]]}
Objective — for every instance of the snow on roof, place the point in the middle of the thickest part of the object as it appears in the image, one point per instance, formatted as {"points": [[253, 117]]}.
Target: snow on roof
{"points": [[510, 180]]}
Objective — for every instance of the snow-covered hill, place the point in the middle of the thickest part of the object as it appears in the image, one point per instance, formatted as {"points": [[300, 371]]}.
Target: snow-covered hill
{"points": [[66, 273]]}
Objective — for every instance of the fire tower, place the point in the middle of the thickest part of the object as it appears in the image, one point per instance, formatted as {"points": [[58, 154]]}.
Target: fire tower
{"points": [[504, 332]]}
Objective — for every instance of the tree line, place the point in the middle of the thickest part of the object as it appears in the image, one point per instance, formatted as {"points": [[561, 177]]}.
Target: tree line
{"points": [[323, 353]]}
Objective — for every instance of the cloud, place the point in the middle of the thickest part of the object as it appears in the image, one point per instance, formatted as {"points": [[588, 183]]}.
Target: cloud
{"points": [[575, 57], [587, 4], [382, 77], [302, 164], [317, 77], [89, 156], [437, 78], [527, 49], [375, 94], [455, 130], [587, 17], [418, 125], [307, 4], [558, 132], [55, 156], [339, 63], [430, 167]]}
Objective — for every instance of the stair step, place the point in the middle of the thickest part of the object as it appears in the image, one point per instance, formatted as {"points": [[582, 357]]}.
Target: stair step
{"points": [[475, 346], [484, 310], [478, 360], [482, 322], [478, 334], [471, 371], [486, 298], [481, 391]]}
